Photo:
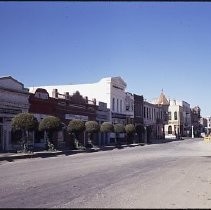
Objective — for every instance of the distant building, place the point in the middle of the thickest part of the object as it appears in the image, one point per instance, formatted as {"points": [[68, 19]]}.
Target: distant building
{"points": [[161, 114], [154, 118], [138, 109], [208, 125], [203, 123], [195, 120], [13, 100]]}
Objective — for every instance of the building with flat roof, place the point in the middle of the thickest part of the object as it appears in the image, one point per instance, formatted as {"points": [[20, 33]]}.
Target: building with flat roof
{"points": [[110, 90], [13, 100]]}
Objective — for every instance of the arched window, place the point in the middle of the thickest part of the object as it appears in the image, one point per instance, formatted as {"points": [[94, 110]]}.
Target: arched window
{"points": [[175, 115], [170, 129]]}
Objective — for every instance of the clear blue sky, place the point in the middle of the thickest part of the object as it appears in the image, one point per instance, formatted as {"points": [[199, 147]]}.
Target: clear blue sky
{"points": [[151, 46]]}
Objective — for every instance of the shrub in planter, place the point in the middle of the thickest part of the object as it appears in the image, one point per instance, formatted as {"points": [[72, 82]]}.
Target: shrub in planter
{"points": [[118, 128], [76, 127], [130, 130], [50, 124], [91, 128], [140, 131], [24, 122]]}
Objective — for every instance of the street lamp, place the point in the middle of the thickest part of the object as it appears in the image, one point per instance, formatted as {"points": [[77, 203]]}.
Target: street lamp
{"points": [[192, 132]]}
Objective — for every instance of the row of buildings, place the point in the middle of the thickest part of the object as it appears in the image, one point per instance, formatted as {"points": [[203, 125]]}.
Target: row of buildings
{"points": [[106, 100]]}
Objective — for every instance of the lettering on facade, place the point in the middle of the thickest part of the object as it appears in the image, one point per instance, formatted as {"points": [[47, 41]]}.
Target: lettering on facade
{"points": [[117, 87], [74, 117], [120, 116], [10, 111]]}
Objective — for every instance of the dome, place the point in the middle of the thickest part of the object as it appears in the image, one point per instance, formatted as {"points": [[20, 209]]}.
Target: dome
{"points": [[162, 99]]}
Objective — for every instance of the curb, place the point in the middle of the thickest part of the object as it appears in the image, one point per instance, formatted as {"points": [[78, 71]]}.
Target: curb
{"points": [[11, 158]]}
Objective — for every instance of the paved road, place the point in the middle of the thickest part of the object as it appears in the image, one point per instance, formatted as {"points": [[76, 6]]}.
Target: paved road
{"points": [[170, 175]]}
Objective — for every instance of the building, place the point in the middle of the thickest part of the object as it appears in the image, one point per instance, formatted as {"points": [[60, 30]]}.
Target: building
{"points": [[13, 100], [203, 123], [101, 117], [138, 109], [179, 119], [186, 112], [110, 90], [195, 120], [64, 106], [162, 105], [153, 120], [208, 125]]}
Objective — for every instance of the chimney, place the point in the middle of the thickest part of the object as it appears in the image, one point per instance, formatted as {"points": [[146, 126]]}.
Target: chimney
{"points": [[67, 95], [55, 93]]}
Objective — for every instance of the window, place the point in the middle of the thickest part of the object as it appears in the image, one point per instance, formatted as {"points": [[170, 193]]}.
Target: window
{"points": [[169, 115], [175, 115], [113, 104], [120, 106], [144, 112], [170, 129], [117, 105], [147, 112]]}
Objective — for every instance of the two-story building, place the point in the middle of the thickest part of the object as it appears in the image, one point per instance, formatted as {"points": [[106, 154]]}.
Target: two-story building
{"points": [[64, 106], [110, 90], [13, 100]]}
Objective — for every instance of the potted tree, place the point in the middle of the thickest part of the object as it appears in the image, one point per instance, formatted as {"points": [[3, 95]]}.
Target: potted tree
{"points": [[118, 128], [140, 131], [91, 128], [106, 127], [76, 127], [50, 124], [130, 130], [25, 122]]}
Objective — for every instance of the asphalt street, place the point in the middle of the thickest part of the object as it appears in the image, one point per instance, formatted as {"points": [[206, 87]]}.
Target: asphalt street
{"points": [[170, 175]]}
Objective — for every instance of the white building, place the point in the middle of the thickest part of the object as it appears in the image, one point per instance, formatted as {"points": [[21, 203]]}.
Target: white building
{"points": [[110, 90], [13, 100], [208, 125], [179, 121]]}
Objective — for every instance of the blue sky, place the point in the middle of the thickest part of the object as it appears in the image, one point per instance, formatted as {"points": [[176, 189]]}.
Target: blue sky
{"points": [[151, 46]]}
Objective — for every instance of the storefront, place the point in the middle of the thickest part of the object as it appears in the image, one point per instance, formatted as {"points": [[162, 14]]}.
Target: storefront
{"points": [[13, 100]]}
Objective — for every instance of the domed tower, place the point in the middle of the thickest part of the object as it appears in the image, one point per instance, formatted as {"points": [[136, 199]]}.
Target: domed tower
{"points": [[162, 100]]}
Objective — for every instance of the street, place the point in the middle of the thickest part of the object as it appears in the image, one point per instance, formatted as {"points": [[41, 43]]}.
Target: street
{"points": [[170, 175]]}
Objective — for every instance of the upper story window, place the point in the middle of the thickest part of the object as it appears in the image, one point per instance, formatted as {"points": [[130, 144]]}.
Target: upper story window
{"points": [[147, 112], [113, 104], [169, 115], [120, 106], [117, 105], [144, 112], [175, 115]]}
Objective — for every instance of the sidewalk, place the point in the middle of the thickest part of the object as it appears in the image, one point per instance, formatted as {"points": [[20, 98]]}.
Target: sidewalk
{"points": [[44, 154]]}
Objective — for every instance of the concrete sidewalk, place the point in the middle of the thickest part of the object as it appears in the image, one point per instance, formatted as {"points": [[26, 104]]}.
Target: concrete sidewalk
{"points": [[43, 154]]}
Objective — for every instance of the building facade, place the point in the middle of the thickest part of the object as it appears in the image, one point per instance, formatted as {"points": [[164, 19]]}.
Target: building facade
{"points": [[13, 100], [138, 109], [110, 90], [195, 120], [64, 106], [153, 120], [179, 119]]}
